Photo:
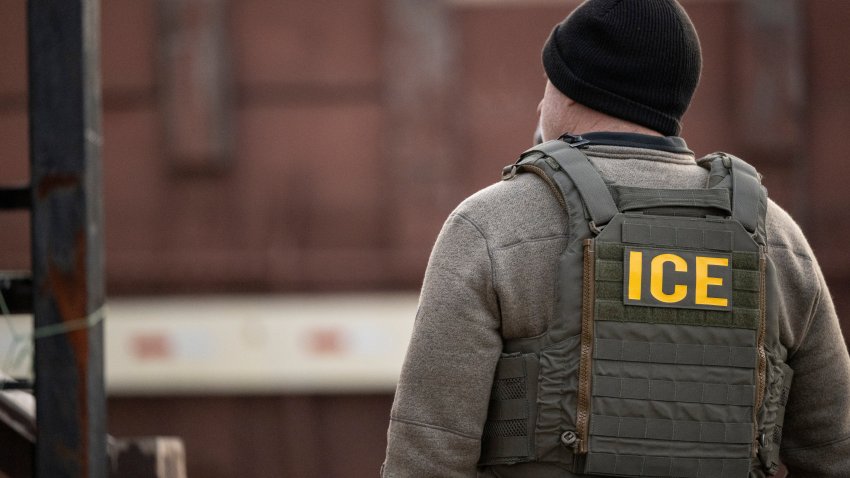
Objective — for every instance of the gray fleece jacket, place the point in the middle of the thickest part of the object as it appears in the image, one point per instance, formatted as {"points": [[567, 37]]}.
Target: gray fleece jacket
{"points": [[491, 277]]}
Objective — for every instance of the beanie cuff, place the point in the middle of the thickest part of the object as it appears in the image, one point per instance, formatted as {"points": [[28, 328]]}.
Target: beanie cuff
{"points": [[587, 94]]}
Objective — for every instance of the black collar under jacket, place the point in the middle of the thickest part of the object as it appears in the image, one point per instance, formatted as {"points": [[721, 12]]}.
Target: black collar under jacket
{"points": [[671, 144]]}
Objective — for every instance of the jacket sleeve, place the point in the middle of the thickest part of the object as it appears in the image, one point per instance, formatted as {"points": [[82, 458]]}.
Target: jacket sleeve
{"points": [[441, 401], [816, 439]]}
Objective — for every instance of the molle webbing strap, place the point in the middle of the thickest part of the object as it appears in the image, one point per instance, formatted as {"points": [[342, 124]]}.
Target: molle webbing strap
{"points": [[634, 198], [664, 429], [748, 196], [677, 354], [609, 292], [594, 193], [673, 391], [666, 466]]}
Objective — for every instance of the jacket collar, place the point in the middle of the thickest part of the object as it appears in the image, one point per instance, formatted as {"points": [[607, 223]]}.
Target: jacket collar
{"points": [[670, 144]]}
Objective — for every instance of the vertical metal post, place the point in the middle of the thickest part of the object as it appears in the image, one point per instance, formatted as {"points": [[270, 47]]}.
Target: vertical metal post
{"points": [[67, 237]]}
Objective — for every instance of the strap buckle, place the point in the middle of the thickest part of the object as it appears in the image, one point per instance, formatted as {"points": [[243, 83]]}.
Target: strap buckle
{"points": [[575, 141]]}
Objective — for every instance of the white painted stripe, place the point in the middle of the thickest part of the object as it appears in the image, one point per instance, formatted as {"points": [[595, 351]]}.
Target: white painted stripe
{"points": [[262, 344]]}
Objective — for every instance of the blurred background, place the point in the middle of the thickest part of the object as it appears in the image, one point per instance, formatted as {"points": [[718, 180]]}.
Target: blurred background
{"points": [[276, 171]]}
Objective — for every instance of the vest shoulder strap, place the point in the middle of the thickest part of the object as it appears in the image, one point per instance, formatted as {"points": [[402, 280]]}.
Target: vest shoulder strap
{"points": [[749, 196], [591, 187]]}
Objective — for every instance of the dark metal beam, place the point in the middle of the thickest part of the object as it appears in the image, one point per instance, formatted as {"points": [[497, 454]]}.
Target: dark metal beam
{"points": [[14, 198], [15, 292], [67, 237]]}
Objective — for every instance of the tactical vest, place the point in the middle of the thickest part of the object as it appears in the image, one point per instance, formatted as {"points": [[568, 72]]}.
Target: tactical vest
{"points": [[677, 370]]}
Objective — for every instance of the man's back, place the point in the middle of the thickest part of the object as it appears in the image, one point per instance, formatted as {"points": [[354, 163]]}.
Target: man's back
{"points": [[492, 277]]}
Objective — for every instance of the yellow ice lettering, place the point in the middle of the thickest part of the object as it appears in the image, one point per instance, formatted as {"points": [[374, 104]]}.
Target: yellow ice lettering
{"points": [[677, 278], [635, 271], [703, 280], [656, 281]]}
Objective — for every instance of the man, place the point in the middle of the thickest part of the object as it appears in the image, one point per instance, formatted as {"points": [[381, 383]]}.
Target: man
{"points": [[621, 75]]}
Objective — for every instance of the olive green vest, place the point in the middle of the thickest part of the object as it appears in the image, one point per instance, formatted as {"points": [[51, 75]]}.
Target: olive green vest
{"points": [[676, 369]]}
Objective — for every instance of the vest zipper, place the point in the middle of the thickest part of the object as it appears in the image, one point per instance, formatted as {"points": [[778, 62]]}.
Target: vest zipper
{"points": [[762, 356], [584, 375]]}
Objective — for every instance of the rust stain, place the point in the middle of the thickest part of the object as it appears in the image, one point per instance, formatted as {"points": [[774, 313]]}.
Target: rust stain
{"points": [[69, 287], [70, 292], [52, 182]]}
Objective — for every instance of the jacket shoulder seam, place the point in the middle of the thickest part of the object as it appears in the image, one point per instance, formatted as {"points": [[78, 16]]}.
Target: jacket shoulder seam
{"points": [[533, 240], [486, 244], [433, 427]]}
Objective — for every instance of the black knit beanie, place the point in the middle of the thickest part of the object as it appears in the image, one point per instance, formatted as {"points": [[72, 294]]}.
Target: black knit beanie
{"points": [[638, 60]]}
